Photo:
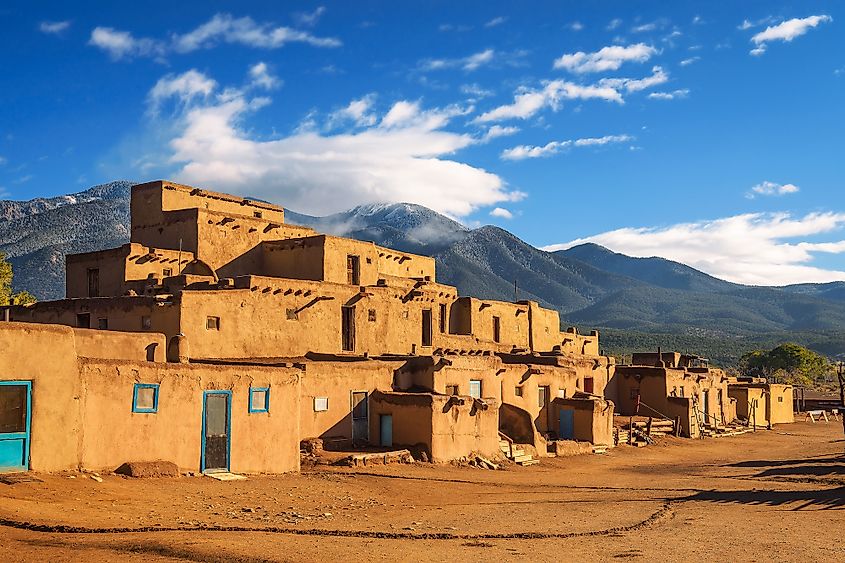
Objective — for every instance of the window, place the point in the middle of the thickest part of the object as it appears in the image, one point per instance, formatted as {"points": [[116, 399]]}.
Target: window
{"points": [[442, 318], [681, 391], [561, 393], [542, 396], [321, 404], [256, 214], [371, 315], [475, 388], [212, 323], [13, 408], [426, 327], [259, 399], [588, 384], [348, 329], [497, 329], [83, 320], [353, 270], [93, 282], [517, 391], [452, 390], [167, 272], [674, 392], [635, 392], [145, 398], [146, 322], [291, 314], [780, 399], [103, 323]]}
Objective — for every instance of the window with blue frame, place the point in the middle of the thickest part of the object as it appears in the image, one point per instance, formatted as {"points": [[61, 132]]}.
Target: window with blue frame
{"points": [[145, 398], [259, 399]]}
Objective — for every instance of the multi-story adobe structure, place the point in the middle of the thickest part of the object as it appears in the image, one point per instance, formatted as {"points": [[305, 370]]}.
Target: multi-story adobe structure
{"points": [[220, 337], [676, 387]]}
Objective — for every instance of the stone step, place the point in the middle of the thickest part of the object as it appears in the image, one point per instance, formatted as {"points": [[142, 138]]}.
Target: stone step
{"points": [[528, 462], [523, 457]]}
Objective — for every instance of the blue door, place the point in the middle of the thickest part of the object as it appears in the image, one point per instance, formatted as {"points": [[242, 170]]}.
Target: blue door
{"points": [[15, 417], [567, 425], [386, 430], [216, 431]]}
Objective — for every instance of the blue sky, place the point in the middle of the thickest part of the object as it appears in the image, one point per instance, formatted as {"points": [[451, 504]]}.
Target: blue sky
{"points": [[710, 133]]}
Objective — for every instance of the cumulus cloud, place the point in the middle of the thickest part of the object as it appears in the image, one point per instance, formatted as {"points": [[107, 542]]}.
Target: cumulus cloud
{"points": [[468, 63], [222, 28], [497, 131], [260, 77], [496, 21], [309, 19], [785, 31], [605, 59], [122, 44], [501, 213], [359, 112], [522, 152], [673, 95], [658, 76], [689, 61], [185, 87], [527, 102], [475, 91], [771, 188], [53, 28], [406, 154], [754, 248], [613, 24]]}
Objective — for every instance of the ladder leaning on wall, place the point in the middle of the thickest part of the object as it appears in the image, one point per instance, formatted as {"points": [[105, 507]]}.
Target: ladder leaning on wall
{"points": [[697, 416]]}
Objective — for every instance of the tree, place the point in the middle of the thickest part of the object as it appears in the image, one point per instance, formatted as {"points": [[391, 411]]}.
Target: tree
{"points": [[789, 361], [6, 295]]}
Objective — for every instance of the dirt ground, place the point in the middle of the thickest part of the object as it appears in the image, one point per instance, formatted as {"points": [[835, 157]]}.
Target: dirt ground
{"points": [[771, 496]]}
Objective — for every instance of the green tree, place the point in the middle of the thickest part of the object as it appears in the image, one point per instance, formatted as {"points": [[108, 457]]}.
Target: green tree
{"points": [[791, 362], [6, 295]]}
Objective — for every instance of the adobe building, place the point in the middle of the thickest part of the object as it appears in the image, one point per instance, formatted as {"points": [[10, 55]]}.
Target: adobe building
{"points": [[220, 337], [761, 403], [676, 387]]}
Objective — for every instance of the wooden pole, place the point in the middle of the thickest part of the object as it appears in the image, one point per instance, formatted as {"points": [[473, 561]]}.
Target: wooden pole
{"points": [[841, 374]]}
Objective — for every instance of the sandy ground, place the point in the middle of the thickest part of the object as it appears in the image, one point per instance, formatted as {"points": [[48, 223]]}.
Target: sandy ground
{"points": [[771, 496]]}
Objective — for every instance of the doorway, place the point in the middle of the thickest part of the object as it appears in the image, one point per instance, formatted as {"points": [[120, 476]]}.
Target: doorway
{"points": [[15, 420], [360, 418], [386, 430], [348, 329], [353, 270], [216, 431], [426, 327], [566, 430]]}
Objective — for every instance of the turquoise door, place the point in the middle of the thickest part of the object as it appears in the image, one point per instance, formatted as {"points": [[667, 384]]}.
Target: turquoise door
{"points": [[386, 430], [567, 425], [15, 417]]}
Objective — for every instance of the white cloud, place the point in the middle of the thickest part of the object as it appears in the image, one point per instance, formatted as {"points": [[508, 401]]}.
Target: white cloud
{"points": [[501, 213], [675, 94], [576, 26], [122, 44], [527, 102], [407, 155], [522, 152], [357, 111], [786, 31], [644, 27], [771, 188], [260, 76], [496, 21], [614, 23], [754, 248], [245, 31], [689, 61], [475, 90], [606, 58], [185, 86], [54, 28], [309, 19], [220, 28], [487, 57], [497, 131], [658, 76]]}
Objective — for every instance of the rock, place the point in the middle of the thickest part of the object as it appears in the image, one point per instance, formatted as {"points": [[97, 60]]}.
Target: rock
{"points": [[148, 469], [97, 478], [247, 509]]}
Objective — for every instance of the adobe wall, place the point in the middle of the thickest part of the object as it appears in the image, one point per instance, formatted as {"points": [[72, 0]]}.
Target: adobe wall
{"points": [[438, 373], [780, 404], [561, 381], [335, 381], [592, 419], [113, 434], [334, 260], [545, 327], [46, 355], [680, 408], [651, 385], [299, 258], [412, 418], [134, 346], [405, 265], [574, 343], [513, 320]]}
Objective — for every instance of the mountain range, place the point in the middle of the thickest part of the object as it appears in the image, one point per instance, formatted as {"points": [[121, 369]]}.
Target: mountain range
{"points": [[637, 302]]}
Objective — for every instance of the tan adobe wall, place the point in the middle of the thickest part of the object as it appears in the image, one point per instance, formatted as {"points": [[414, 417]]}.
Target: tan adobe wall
{"points": [[650, 383], [574, 343], [680, 408], [545, 327], [126, 314], [260, 442], [168, 196], [404, 265], [592, 419], [513, 320], [439, 373], [116, 266], [335, 381], [334, 260], [450, 428], [297, 258], [134, 346], [46, 356], [560, 381], [780, 401]]}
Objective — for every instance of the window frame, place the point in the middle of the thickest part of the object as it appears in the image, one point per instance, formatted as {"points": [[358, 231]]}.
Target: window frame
{"points": [[321, 399], [216, 319], [480, 388], [259, 409], [143, 410]]}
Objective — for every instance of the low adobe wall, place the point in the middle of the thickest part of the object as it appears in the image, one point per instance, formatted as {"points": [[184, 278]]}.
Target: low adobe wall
{"points": [[449, 427], [134, 346], [113, 434], [592, 419]]}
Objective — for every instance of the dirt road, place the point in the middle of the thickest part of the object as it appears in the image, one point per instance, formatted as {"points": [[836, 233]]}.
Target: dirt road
{"points": [[771, 496]]}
